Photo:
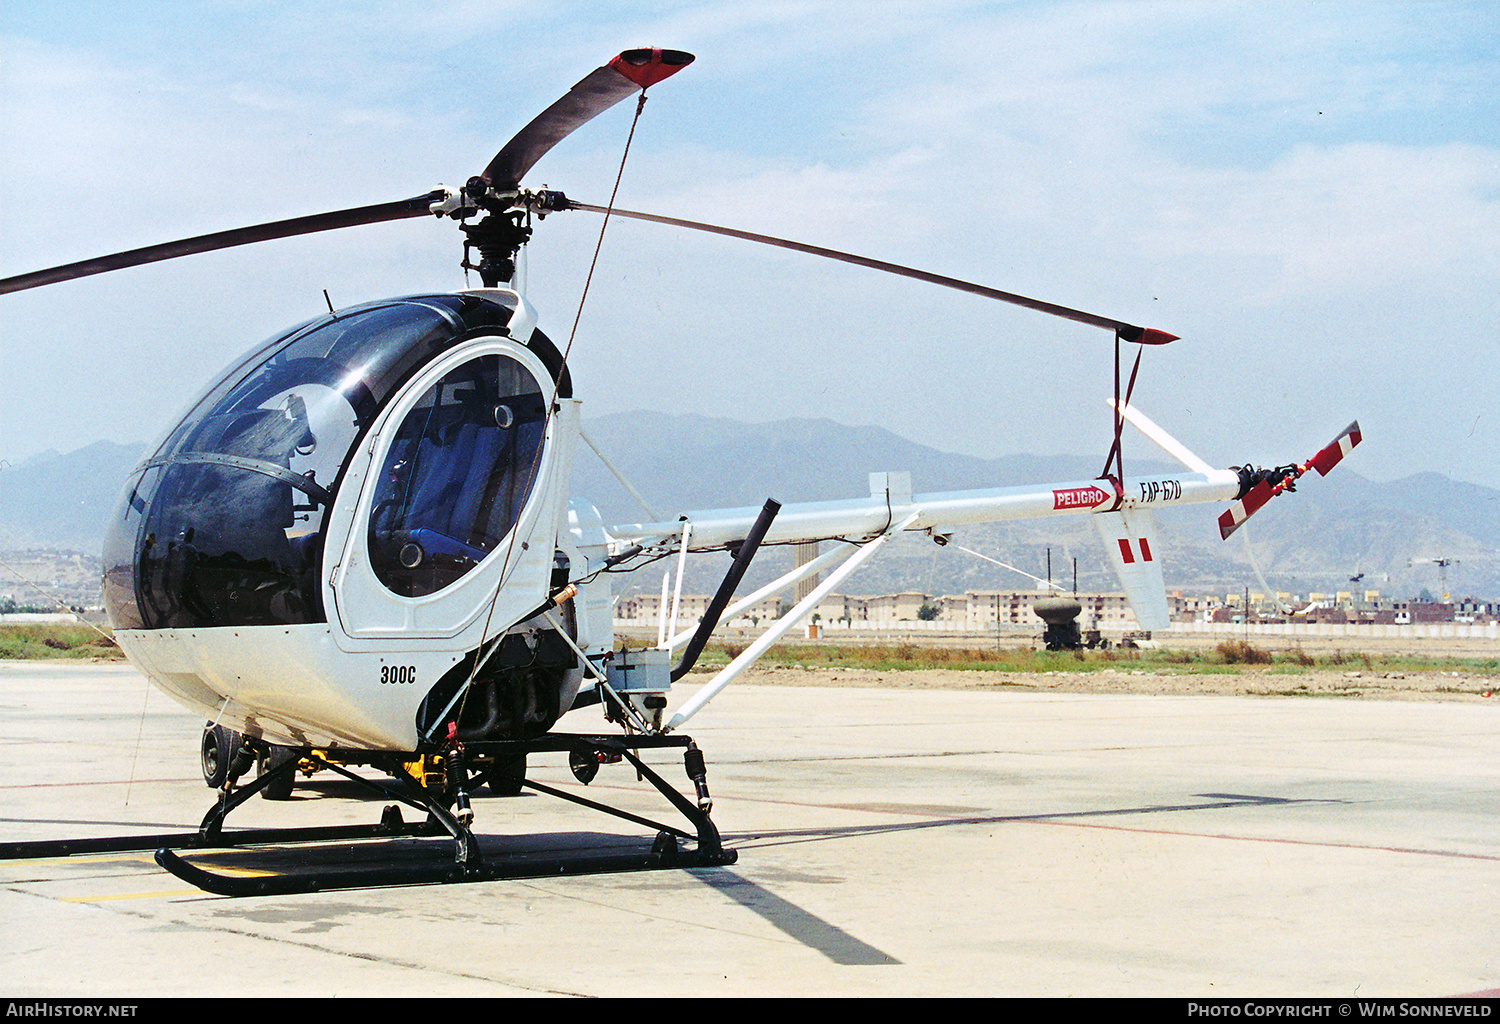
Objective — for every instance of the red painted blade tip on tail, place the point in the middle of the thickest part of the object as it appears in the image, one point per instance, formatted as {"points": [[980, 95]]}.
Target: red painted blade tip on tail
{"points": [[1235, 515]]}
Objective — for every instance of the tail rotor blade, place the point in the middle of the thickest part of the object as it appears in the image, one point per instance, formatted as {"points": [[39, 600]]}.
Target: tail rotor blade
{"points": [[1342, 445], [1235, 515], [1269, 483]]}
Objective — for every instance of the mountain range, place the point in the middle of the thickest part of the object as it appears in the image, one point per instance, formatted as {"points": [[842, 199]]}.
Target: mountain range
{"points": [[1314, 540]]}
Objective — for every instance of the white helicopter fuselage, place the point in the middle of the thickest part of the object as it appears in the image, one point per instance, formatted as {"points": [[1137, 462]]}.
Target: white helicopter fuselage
{"points": [[358, 665]]}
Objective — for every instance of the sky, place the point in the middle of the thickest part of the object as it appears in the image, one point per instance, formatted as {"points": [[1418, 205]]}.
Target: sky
{"points": [[1308, 193]]}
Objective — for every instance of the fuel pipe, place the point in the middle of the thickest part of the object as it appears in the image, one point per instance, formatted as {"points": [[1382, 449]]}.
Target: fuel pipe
{"points": [[732, 579], [565, 594], [561, 597]]}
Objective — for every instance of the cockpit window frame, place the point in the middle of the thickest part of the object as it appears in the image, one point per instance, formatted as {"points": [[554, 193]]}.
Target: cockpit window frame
{"points": [[479, 344]]}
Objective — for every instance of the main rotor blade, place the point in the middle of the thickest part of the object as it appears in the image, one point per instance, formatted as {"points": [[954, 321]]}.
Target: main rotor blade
{"points": [[417, 206], [599, 90], [1129, 332]]}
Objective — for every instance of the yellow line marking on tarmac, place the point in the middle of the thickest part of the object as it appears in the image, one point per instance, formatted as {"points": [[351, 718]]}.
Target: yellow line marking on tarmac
{"points": [[139, 858], [164, 894], [136, 858]]}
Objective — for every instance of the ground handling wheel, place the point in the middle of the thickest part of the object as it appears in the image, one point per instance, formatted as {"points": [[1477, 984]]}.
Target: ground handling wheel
{"points": [[220, 745], [505, 778], [281, 787]]}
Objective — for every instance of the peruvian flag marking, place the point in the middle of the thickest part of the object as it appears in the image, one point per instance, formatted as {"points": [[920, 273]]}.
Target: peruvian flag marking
{"points": [[1127, 554]]}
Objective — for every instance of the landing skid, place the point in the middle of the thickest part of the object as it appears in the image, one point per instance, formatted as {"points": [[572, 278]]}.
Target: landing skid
{"points": [[330, 866]]}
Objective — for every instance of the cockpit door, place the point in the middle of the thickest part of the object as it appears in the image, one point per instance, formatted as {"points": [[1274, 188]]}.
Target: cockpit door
{"points": [[460, 494]]}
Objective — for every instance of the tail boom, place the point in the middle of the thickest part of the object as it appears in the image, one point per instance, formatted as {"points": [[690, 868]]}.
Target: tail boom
{"points": [[713, 529]]}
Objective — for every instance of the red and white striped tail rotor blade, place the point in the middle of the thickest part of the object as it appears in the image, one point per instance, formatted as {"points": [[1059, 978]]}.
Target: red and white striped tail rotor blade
{"points": [[1256, 498], [1342, 445], [1235, 515]]}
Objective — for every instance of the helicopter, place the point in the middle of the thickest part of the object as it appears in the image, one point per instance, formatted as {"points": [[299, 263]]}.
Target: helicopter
{"points": [[358, 547]]}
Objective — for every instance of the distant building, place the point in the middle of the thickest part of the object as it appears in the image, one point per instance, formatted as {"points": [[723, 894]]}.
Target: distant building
{"points": [[1470, 610], [987, 610], [1414, 612]]}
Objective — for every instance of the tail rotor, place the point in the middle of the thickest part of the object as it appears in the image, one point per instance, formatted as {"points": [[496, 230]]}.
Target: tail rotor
{"points": [[1258, 486]]}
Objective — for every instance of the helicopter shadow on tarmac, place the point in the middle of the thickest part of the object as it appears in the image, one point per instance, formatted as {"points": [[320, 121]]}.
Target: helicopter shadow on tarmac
{"points": [[841, 947], [1216, 801]]}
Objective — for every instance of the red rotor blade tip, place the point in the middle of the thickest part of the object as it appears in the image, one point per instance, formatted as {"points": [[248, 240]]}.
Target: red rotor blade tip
{"points": [[1154, 337], [646, 67]]}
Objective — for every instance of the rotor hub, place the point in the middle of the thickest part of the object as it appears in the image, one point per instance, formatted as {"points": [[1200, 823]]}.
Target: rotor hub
{"points": [[497, 236]]}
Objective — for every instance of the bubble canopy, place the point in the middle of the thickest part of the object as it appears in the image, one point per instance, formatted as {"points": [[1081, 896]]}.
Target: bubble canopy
{"points": [[223, 524]]}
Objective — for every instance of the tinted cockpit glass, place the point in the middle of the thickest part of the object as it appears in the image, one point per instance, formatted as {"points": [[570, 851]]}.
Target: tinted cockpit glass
{"points": [[457, 476], [222, 526]]}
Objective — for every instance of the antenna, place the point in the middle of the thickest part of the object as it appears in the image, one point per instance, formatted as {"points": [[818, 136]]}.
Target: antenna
{"points": [[1442, 564]]}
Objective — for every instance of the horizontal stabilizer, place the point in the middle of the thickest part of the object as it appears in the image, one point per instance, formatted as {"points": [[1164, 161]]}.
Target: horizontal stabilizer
{"points": [[1129, 537]]}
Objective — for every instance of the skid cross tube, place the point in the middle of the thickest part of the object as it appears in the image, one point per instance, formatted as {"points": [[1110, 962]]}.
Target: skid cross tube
{"points": [[710, 846], [210, 829], [465, 864]]}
